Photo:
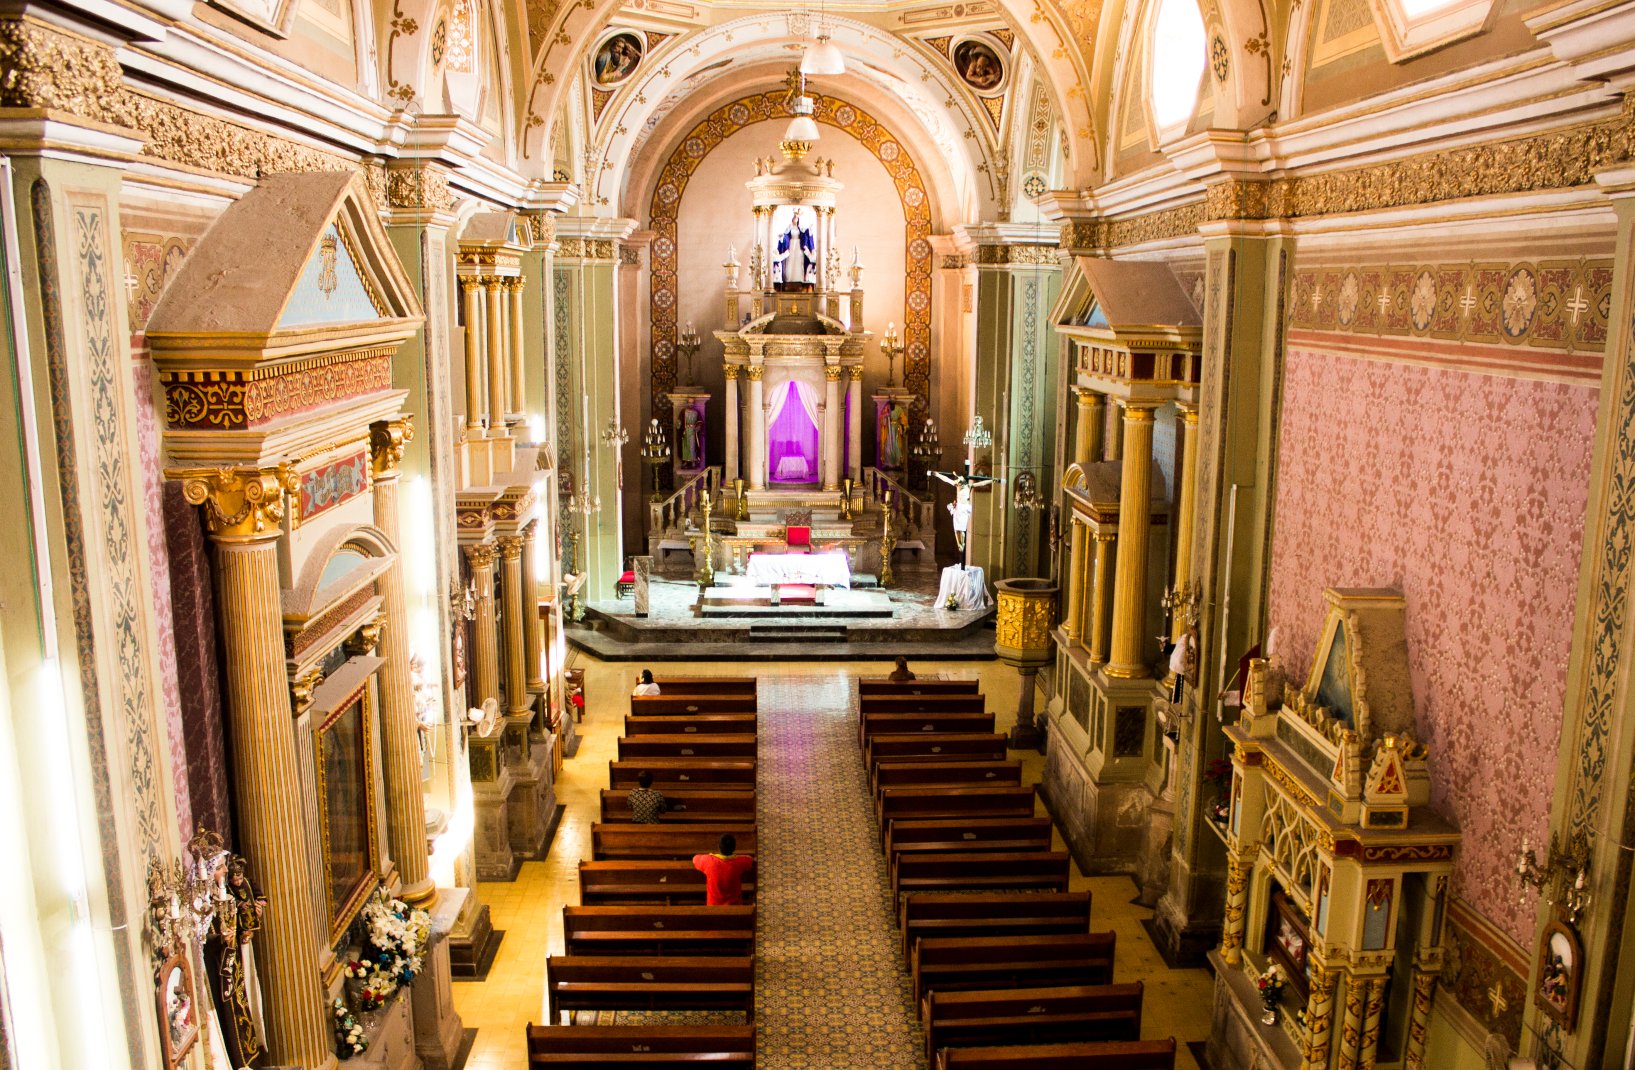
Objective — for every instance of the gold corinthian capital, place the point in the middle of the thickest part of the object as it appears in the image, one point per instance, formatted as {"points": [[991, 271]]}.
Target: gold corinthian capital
{"points": [[240, 504], [386, 441]]}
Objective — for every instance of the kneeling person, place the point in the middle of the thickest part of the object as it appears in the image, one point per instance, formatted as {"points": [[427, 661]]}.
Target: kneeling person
{"points": [[724, 873]]}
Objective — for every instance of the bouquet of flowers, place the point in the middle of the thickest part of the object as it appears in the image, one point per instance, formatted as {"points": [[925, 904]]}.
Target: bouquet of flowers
{"points": [[349, 1036], [394, 947], [1270, 985]]}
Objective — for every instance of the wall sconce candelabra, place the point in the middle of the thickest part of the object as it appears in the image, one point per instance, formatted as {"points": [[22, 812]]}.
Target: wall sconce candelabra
{"points": [[655, 452], [1563, 879], [927, 448], [1025, 495], [1183, 604], [688, 344], [892, 346]]}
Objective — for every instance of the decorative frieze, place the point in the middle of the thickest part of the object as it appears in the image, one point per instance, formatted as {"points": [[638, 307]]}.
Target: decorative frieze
{"points": [[418, 186], [232, 400], [1018, 255]]}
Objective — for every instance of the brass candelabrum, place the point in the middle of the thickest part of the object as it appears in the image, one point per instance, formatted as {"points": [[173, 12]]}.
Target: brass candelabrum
{"points": [[892, 346], [688, 344], [655, 453], [888, 542], [927, 448], [846, 498], [1563, 879], [705, 574], [741, 506]]}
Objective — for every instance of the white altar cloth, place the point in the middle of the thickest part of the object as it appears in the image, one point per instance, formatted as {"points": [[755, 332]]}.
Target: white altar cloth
{"points": [[968, 586], [793, 466], [764, 570]]}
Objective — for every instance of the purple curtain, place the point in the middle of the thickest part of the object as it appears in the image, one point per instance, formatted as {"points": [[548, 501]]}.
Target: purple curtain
{"points": [[792, 436]]}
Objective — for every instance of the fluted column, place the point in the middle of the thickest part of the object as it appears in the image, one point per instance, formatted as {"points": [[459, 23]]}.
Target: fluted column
{"points": [[735, 420], [1127, 659], [519, 377], [243, 508], [757, 428], [1073, 622], [485, 664], [831, 427], [1100, 607], [473, 289], [1091, 421], [854, 422], [511, 613], [498, 344], [1113, 448], [533, 633], [405, 805], [1185, 509]]}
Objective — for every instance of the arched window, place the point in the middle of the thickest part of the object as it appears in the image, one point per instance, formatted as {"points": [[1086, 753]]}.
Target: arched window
{"points": [[1413, 27], [1177, 62]]}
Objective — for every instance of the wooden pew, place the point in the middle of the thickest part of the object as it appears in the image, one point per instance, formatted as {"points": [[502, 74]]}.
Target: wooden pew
{"points": [[1088, 1055], [1028, 840], [645, 930], [918, 803], [707, 685], [967, 834], [633, 748], [642, 883], [880, 724], [942, 962], [626, 983], [651, 1047], [980, 870], [953, 703], [709, 724], [686, 806], [943, 914], [935, 746], [669, 774], [633, 842], [904, 774], [881, 686], [981, 1017], [664, 705]]}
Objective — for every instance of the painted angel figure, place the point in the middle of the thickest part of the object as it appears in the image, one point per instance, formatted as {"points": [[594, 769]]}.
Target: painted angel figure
{"points": [[960, 508]]}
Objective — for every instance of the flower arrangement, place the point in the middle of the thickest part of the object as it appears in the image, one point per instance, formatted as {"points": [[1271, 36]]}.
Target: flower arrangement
{"points": [[349, 1036], [1270, 985], [394, 946]]}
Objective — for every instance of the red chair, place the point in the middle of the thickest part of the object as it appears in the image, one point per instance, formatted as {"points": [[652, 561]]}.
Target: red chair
{"points": [[797, 539], [625, 583]]}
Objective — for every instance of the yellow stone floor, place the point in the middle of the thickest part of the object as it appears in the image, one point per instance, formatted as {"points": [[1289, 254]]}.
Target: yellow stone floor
{"points": [[530, 908]]}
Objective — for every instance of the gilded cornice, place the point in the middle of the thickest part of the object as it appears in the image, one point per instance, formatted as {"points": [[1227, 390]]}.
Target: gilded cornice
{"points": [[47, 67], [386, 441], [1008, 254], [240, 504], [417, 186], [230, 399]]}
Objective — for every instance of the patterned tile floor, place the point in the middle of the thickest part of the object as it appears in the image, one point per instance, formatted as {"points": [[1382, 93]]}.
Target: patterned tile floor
{"points": [[830, 991]]}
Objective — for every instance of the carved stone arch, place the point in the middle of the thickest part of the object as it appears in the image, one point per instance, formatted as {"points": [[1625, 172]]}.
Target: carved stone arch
{"points": [[341, 562], [1296, 57]]}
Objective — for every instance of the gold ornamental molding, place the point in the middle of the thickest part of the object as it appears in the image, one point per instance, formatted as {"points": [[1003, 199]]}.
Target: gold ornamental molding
{"points": [[1018, 255], [417, 186], [481, 556], [386, 442], [240, 504], [234, 399]]}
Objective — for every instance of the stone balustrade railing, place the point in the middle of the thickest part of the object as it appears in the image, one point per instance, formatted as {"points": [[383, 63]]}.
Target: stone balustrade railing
{"points": [[915, 514], [673, 512]]}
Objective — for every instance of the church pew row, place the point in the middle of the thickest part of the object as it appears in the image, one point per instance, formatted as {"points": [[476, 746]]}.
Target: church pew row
{"points": [[983, 1017], [658, 931], [906, 838], [682, 746], [650, 1047], [667, 705], [687, 806], [629, 882], [928, 804], [907, 774], [988, 871], [670, 774], [883, 686], [625, 983], [711, 724], [946, 703], [734, 686], [934, 746], [1008, 914], [620, 841], [1089, 1055], [942, 963], [880, 724]]}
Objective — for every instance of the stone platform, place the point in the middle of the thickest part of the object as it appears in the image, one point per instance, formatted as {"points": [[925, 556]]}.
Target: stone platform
{"points": [[742, 601]]}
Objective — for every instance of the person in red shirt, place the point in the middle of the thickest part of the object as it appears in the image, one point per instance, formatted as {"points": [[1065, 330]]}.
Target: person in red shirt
{"points": [[724, 873]]}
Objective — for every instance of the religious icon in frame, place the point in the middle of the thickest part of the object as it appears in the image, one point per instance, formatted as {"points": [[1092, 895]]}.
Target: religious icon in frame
{"points": [[1560, 969], [979, 65], [178, 1013], [616, 59]]}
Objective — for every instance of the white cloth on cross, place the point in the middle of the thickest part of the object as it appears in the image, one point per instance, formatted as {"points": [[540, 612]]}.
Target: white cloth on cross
{"points": [[968, 586]]}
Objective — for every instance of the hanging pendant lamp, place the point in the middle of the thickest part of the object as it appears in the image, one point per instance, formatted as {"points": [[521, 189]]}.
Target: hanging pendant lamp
{"points": [[823, 58], [802, 127]]}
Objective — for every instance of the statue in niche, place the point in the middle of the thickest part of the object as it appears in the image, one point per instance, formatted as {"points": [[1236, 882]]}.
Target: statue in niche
{"points": [[794, 262], [692, 439]]}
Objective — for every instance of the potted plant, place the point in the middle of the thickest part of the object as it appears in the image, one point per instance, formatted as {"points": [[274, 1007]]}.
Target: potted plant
{"points": [[1270, 984]]}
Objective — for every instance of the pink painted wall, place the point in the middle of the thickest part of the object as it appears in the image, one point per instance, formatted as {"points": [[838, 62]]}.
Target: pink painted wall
{"points": [[1467, 492]]}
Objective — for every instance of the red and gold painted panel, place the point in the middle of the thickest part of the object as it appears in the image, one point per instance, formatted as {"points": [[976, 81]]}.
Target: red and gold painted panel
{"points": [[233, 400], [769, 107], [330, 485]]}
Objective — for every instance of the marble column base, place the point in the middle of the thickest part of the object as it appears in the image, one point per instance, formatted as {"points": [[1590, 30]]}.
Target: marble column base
{"points": [[438, 1029], [491, 839], [474, 943], [1183, 935], [1103, 825], [1152, 868], [568, 740], [533, 802]]}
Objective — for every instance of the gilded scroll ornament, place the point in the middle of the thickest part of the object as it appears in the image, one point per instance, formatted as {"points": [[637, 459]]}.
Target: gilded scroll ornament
{"points": [[386, 442], [239, 503]]}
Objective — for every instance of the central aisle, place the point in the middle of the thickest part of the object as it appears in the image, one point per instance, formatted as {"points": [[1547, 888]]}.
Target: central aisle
{"points": [[829, 986]]}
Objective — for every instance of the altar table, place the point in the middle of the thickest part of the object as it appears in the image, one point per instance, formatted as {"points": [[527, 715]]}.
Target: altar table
{"points": [[793, 466], [831, 569]]}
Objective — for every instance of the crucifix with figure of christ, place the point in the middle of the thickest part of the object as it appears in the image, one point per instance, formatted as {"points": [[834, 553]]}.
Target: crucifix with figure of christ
{"points": [[963, 483]]}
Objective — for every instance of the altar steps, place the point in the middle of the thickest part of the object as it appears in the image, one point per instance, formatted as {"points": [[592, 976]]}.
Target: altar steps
{"points": [[783, 633]]}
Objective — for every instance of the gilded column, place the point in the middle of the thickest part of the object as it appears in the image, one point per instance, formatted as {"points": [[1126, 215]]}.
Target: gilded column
{"points": [[1237, 897], [854, 423], [1092, 419], [243, 508], [1186, 509], [511, 613], [498, 345], [1078, 544], [485, 665], [400, 729], [1319, 1019], [472, 287], [1369, 1048], [1100, 603], [533, 635], [1113, 448], [1351, 1025], [1127, 660], [735, 420], [519, 374], [1419, 1019], [757, 428], [831, 427]]}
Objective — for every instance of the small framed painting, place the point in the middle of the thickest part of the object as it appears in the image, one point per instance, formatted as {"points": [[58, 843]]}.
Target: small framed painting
{"points": [[1560, 969], [616, 58], [178, 1014]]}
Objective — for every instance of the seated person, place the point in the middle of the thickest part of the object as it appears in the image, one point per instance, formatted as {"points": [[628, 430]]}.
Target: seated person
{"points": [[646, 805], [646, 686], [724, 873], [901, 674]]}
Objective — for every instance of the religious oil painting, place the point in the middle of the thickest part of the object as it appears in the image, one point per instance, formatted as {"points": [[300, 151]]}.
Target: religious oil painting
{"points": [[978, 63], [345, 797], [1560, 968], [178, 1017], [616, 59]]}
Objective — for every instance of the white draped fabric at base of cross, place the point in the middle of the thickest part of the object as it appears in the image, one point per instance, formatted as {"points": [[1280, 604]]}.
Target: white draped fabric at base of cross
{"points": [[830, 569], [967, 586]]}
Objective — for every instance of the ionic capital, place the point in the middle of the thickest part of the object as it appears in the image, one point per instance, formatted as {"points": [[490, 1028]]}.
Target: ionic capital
{"points": [[240, 504]]}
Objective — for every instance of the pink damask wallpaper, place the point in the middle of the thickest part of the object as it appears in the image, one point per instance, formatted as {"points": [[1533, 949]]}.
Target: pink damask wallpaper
{"points": [[1467, 492]]}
